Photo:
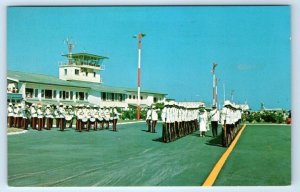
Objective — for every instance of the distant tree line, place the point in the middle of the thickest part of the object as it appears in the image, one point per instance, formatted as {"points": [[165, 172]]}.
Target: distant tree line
{"points": [[266, 116]]}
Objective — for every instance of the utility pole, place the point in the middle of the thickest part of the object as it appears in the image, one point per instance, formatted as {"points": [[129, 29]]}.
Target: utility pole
{"points": [[139, 36], [214, 89]]}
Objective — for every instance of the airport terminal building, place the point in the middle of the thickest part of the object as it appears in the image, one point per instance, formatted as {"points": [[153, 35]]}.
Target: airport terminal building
{"points": [[79, 82]]}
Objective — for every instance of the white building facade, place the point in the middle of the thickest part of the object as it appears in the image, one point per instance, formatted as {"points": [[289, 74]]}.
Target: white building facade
{"points": [[79, 82]]}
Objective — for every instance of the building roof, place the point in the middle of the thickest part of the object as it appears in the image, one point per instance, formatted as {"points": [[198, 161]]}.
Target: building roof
{"points": [[40, 78], [52, 80], [86, 56]]}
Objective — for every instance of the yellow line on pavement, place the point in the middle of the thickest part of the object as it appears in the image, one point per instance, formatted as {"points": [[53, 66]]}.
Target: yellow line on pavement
{"points": [[217, 168]]}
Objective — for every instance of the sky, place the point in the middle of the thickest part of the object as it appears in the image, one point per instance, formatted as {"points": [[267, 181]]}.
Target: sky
{"points": [[250, 44]]}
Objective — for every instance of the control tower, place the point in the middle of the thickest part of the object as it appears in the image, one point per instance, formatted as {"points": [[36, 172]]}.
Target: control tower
{"points": [[81, 66]]}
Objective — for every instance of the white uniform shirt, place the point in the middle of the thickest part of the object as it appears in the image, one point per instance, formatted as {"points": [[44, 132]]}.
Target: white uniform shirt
{"points": [[227, 116], [40, 113], [10, 111], [214, 115], [33, 112], [148, 116], [154, 115], [164, 114]]}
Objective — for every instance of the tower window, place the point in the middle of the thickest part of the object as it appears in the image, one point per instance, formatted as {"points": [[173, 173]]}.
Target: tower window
{"points": [[94, 74], [86, 73], [66, 71], [76, 71]]}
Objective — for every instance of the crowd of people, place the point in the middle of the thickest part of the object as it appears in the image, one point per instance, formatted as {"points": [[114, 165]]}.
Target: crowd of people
{"points": [[41, 117]]}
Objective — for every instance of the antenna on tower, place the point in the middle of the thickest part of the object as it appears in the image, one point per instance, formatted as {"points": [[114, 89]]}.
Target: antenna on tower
{"points": [[70, 45]]}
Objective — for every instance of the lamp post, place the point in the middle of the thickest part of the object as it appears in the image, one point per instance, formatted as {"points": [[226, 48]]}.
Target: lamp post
{"points": [[139, 36], [214, 89]]}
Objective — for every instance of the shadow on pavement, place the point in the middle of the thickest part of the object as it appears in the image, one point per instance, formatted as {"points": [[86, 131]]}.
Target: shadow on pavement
{"points": [[215, 141]]}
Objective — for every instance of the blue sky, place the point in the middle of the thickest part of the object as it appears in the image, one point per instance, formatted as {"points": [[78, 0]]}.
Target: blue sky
{"points": [[250, 44]]}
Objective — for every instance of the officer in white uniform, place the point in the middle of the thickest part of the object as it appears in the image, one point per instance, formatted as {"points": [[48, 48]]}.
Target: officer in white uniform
{"points": [[40, 116], [154, 118], [148, 119], [106, 117], [226, 119], [79, 116], [164, 125], [214, 115], [115, 117], [69, 114], [101, 118], [25, 116], [94, 117], [33, 114], [10, 115], [17, 116], [62, 113], [49, 117]]}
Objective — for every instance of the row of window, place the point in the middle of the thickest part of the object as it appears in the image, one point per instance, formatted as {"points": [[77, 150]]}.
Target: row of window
{"points": [[68, 95], [133, 97], [113, 96], [77, 72], [141, 97], [51, 94]]}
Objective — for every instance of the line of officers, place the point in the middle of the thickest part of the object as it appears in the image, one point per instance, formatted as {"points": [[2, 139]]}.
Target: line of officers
{"points": [[42, 116], [180, 120]]}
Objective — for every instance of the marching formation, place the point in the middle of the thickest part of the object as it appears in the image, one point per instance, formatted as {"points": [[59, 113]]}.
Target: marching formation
{"points": [[178, 121], [42, 117]]}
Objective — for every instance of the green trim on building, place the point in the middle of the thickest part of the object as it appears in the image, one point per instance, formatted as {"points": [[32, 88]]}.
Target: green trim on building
{"points": [[51, 80]]}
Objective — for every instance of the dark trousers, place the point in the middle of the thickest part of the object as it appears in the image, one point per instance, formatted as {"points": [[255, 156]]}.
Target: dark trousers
{"points": [[62, 124], [153, 126], [24, 123], [115, 124], [149, 124], [214, 128], [33, 122], [10, 121]]}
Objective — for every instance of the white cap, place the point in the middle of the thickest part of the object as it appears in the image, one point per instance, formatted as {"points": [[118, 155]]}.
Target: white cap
{"points": [[227, 102]]}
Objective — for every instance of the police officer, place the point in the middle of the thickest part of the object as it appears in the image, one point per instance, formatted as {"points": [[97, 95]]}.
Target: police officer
{"points": [[33, 114], [101, 117], [17, 116], [10, 115], [227, 123], [85, 117], [40, 116], [154, 118], [214, 116], [106, 117], [79, 115], [69, 114], [25, 116], [61, 115], [148, 119], [115, 118], [94, 117], [49, 117]]}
